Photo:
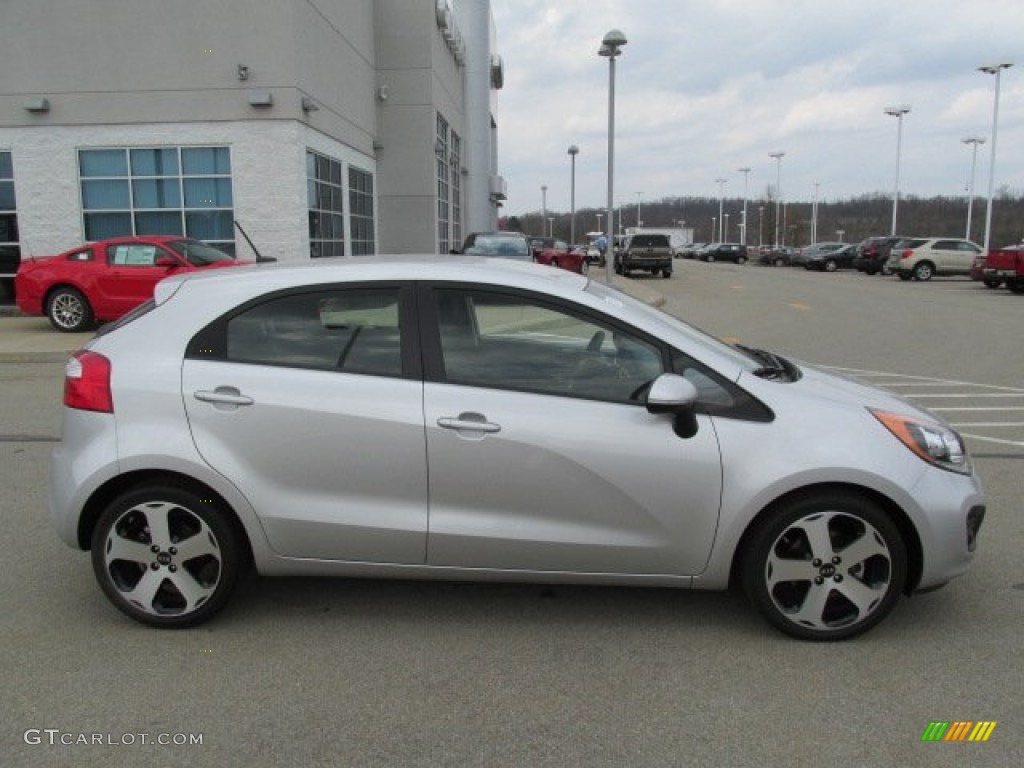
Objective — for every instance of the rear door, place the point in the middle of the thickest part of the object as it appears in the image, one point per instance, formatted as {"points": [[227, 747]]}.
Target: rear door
{"points": [[311, 404], [542, 456]]}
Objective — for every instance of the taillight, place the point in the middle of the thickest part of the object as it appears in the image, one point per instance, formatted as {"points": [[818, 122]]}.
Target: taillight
{"points": [[87, 383], [907, 253]]}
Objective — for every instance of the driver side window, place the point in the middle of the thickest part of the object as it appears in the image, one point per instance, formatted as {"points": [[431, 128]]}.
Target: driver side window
{"points": [[507, 341]]}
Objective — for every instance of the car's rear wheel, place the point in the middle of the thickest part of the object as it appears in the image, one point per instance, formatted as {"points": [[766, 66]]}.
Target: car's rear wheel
{"points": [[166, 556], [825, 567], [709, 258], [666, 273], [68, 310], [923, 271], [741, 259], [992, 282], [831, 266]]}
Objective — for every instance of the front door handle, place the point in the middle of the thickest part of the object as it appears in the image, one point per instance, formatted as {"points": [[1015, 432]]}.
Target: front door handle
{"points": [[471, 422]]}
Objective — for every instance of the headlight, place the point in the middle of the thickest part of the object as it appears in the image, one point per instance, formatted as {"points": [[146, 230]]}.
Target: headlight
{"points": [[932, 442]]}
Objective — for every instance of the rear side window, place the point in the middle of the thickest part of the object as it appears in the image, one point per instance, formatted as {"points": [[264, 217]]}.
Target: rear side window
{"points": [[349, 331]]}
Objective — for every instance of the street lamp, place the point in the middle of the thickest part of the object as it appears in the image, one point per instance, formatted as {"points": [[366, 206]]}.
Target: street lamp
{"points": [[610, 48], [746, 178], [897, 112], [974, 141], [599, 217], [638, 222], [814, 215], [573, 151], [760, 226], [725, 233], [993, 69], [721, 204], [543, 210], [778, 190]]}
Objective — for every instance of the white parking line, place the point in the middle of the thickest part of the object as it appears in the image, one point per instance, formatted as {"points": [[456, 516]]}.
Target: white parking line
{"points": [[922, 388]]}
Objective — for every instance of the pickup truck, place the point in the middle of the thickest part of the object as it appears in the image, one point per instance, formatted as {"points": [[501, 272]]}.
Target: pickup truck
{"points": [[1005, 265]]}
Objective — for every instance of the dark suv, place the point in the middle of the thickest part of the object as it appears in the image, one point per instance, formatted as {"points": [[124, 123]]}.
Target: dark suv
{"points": [[872, 253], [649, 252]]}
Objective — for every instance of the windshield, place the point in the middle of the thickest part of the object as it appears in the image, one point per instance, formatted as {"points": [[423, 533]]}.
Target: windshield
{"points": [[501, 246], [197, 253]]}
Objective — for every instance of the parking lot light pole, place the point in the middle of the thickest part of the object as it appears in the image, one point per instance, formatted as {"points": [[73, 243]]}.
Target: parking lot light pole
{"points": [[746, 178], [611, 48], [993, 69], [898, 113], [573, 151], [778, 190], [543, 210], [721, 205], [974, 141]]}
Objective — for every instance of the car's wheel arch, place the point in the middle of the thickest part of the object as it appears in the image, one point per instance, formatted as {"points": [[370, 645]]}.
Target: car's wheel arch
{"points": [[907, 530], [117, 486]]}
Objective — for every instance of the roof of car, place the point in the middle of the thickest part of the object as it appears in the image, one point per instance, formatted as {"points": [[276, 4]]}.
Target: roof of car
{"points": [[251, 281]]}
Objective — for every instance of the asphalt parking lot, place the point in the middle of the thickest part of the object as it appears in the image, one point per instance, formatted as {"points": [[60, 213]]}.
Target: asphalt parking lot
{"points": [[336, 673]]}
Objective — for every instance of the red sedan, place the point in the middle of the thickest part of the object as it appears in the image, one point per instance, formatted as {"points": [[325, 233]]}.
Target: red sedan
{"points": [[558, 253], [102, 281]]}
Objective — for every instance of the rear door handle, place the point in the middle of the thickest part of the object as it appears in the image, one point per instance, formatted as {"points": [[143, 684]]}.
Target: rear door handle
{"points": [[471, 422], [223, 396]]}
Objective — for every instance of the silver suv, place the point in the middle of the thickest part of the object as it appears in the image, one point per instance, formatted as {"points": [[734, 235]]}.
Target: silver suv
{"points": [[921, 258], [481, 419]]}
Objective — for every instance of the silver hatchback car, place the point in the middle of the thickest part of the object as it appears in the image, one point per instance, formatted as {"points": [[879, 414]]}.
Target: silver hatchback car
{"points": [[461, 418]]}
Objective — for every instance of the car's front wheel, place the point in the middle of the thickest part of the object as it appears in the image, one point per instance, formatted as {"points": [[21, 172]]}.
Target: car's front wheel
{"points": [[166, 556], [825, 567], [923, 271], [68, 310]]}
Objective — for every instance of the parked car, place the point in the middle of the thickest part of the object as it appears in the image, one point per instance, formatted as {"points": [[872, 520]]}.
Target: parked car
{"points": [[650, 252], [1005, 265], [502, 245], [811, 251], [831, 260], [481, 419], [104, 280], [558, 253], [736, 252], [782, 256], [873, 254], [921, 258]]}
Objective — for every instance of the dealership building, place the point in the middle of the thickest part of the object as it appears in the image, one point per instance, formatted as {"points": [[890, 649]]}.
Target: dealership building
{"points": [[298, 128]]}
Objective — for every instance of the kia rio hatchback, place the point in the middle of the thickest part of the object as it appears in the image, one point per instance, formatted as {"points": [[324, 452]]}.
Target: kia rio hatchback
{"points": [[462, 418]]}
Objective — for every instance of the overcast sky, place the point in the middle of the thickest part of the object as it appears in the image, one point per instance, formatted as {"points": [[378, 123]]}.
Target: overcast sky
{"points": [[705, 87]]}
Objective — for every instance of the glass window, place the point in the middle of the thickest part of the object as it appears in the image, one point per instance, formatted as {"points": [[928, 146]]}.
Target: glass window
{"points": [[132, 255], [326, 206], [443, 188], [10, 250], [360, 196], [355, 331], [512, 342], [158, 191]]}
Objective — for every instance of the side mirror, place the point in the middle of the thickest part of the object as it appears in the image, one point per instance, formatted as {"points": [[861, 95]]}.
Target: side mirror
{"points": [[671, 393]]}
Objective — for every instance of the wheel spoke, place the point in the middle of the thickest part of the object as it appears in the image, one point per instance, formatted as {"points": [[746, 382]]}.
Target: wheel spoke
{"points": [[203, 543], [156, 519], [865, 547], [145, 591], [817, 531], [191, 590], [860, 594], [787, 569], [812, 610], [121, 548]]}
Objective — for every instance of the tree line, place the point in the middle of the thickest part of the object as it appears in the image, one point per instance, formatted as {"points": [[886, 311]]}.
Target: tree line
{"points": [[856, 218]]}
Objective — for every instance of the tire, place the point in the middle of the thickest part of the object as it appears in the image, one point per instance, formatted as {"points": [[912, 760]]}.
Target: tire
{"points": [[584, 267], [176, 550], [780, 262], [666, 273], [831, 266], [903, 276], [1015, 286], [68, 310], [992, 282], [741, 259], [886, 270], [923, 271], [805, 589], [868, 271], [709, 258]]}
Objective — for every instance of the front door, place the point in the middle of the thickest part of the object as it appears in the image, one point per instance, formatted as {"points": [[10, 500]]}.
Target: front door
{"points": [[542, 456]]}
